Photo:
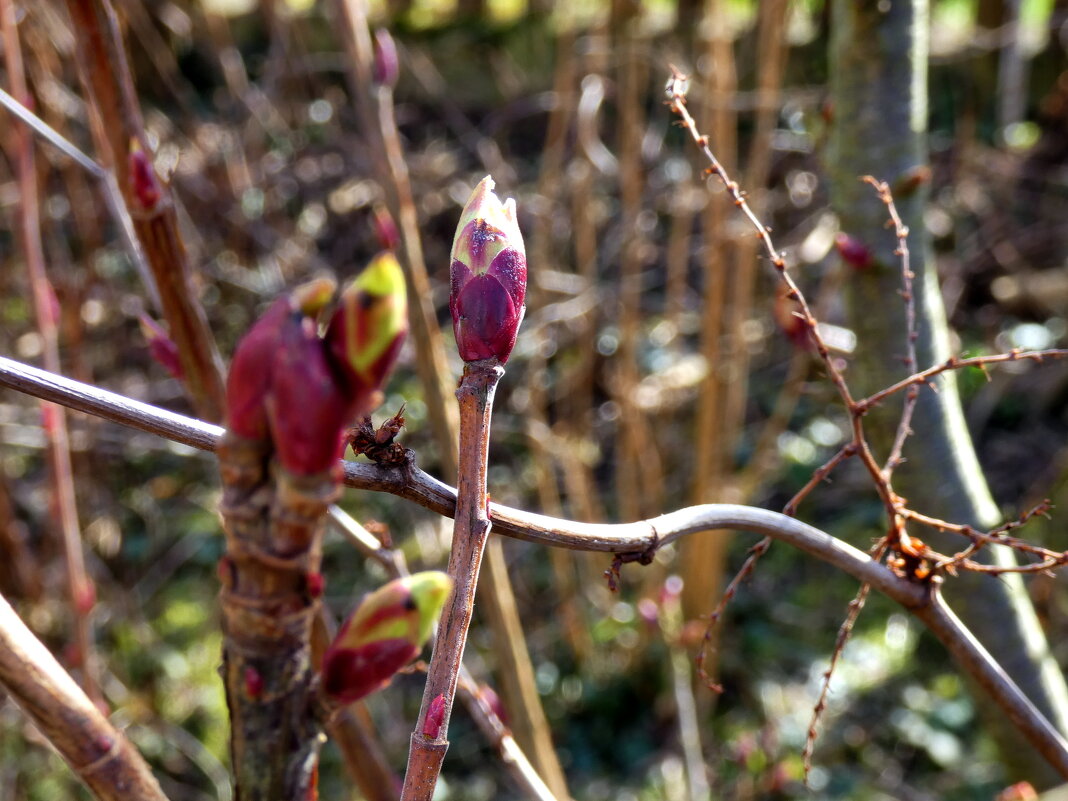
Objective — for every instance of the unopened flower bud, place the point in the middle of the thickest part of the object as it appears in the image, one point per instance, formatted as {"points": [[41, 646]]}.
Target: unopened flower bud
{"points": [[161, 346], [367, 330], [386, 65], [249, 378], [386, 631], [489, 277], [307, 405]]}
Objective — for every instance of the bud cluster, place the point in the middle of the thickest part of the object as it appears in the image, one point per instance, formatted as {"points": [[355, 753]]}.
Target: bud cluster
{"points": [[289, 385]]}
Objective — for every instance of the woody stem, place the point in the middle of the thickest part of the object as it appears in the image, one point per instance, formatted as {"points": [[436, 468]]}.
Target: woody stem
{"points": [[470, 532]]}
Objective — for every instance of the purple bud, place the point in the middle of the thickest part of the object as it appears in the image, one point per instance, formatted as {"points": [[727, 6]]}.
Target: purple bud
{"points": [[489, 277], [251, 369], [386, 64]]}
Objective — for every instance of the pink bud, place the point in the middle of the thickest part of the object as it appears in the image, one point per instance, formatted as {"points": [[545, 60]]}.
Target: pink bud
{"points": [[351, 673], [385, 228], [493, 701], [85, 597], [307, 408], [489, 277], [161, 346], [251, 369], [853, 252], [144, 183], [253, 682], [314, 583], [435, 716], [386, 66]]}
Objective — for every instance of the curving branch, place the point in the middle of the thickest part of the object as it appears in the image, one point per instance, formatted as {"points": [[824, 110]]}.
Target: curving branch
{"points": [[638, 540]]}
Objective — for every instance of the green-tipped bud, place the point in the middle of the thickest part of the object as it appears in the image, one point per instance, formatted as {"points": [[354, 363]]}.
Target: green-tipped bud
{"points": [[488, 277], [367, 330], [387, 630]]}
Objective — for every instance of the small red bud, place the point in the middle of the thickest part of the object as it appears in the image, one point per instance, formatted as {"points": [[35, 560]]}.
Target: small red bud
{"points": [[103, 744], [161, 346], [52, 308], [385, 228], [386, 66], [493, 701], [144, 183], [85, 597], [435, 716], [253, 683], [315, 584], [50, 417], [853, 252], [787, 314]]}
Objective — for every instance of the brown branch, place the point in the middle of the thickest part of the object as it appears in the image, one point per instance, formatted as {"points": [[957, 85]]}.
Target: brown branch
{"points": [[429, 741], [409, 482], [101, 756]]}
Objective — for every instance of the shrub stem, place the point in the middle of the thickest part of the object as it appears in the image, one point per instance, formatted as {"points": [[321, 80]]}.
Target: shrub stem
{"points": [[471, 530]]}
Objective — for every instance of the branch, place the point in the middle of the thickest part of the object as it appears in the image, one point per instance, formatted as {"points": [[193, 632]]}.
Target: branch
{"points": [[644, 536], [98, 753]]}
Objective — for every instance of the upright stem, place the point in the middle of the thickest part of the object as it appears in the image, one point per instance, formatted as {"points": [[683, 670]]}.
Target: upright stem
{"points": [[54, 418], [471, 529]]}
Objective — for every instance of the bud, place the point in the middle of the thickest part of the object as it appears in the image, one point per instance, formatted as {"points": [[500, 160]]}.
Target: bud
{"points": [[386, 631], [161, 346], [307, 405], [367, 330], [250, 371], [385, 228], [489, 277], [853, 252], [386, 65], [787, 314], [144, 183], [435, 716]]}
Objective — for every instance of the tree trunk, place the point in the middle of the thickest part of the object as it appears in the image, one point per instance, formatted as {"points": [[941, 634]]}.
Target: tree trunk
{"points": [[879, 95]]}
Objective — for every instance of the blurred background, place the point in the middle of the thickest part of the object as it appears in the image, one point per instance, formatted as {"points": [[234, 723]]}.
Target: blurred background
{"points": [[657, 366]]}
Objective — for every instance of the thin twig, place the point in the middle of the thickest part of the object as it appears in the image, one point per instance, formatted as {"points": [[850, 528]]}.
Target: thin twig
{"points": [[429, 741], [904, 426]]}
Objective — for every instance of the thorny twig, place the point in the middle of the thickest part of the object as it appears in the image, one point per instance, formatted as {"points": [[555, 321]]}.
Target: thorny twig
{"points": [[908, 557], [901, 231]]}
